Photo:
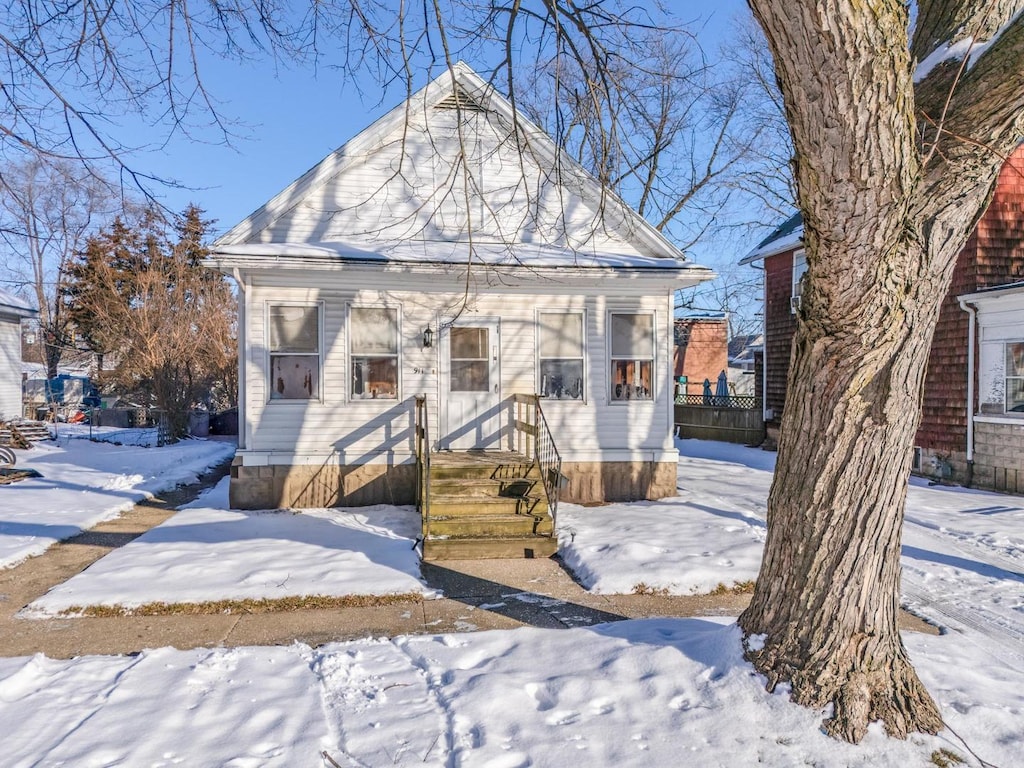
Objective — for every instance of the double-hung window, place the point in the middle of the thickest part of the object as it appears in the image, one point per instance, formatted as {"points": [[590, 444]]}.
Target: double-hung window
{"points": [[294, 344], [1015, 377], [632, 356], [799, 269], [373, 352], [561, 355]]}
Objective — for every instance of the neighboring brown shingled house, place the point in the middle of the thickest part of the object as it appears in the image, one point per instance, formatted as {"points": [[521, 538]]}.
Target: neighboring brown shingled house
{"points": [[993, 256]]}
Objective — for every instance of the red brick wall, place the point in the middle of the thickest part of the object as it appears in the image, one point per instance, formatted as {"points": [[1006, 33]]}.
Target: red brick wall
{"points": [[705, 355], [994, 255], [779, 325]]}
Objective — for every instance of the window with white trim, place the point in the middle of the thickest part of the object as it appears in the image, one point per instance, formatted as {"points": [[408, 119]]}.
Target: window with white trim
{"points": [[632, 356], [799, 268], [1015, 377], [373, 352], [293, 333], [560, 355]]}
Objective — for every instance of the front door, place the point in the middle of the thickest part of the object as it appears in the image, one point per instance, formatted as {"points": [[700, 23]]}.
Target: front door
{"points": [[470, 388]]}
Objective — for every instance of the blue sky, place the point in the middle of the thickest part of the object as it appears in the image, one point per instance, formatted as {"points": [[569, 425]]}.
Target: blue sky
{"points": [[289, 119]]}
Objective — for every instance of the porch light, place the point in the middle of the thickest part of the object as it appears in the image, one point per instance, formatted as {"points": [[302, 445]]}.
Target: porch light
{"points": [[428, 337]]}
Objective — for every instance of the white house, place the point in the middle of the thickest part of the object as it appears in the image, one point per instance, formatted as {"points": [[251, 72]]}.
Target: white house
{"points": [[995, 410], [12, 311], [453, 218]]}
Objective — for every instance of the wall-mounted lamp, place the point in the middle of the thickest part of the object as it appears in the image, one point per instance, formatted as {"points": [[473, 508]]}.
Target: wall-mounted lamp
{"points": [[428, 337]]}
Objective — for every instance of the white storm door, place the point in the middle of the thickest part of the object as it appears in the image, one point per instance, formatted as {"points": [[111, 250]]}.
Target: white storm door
{"points": [[471, 390]]}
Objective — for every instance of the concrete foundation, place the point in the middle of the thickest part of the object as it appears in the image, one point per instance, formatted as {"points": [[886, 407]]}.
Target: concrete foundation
{"points": [[999, 456], [306, 486], [327, 485], [618, 481]]}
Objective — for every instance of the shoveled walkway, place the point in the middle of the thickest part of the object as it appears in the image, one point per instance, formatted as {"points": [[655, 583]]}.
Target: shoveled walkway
{"points": [[478, 594]]}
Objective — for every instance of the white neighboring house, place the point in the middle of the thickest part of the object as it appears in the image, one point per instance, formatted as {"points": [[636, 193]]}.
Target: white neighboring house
{"points": [[453, 217], [995, 434], [12, 311]]}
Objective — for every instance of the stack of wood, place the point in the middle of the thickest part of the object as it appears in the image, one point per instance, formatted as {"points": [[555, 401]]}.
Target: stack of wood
{"points": [[23, 434]]}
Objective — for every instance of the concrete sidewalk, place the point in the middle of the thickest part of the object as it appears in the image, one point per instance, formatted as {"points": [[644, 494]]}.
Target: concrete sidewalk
{"points": [[478, 595]]}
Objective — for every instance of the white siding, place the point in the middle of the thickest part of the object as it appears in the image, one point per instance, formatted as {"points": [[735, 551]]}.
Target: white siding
{"points": [[339, 429], [10, 368], [411, 187], [1000, 319]]}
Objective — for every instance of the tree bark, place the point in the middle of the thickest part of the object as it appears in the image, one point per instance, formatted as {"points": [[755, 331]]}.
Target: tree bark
{"points": [[885, 215]]}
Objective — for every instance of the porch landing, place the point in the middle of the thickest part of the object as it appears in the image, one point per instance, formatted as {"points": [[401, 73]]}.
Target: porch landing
{"points": [[484, 505]]}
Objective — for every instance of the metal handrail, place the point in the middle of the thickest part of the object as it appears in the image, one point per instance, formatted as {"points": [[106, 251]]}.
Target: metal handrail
{"points": [[422, 438], [541, 449]]}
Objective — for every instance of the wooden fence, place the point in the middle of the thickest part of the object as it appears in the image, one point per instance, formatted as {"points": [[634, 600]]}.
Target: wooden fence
{"points": [[729, 419]]}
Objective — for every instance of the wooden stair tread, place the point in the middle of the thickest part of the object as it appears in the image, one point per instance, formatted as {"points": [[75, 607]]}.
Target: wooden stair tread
{"points": [[489, 549], [486, 504]]}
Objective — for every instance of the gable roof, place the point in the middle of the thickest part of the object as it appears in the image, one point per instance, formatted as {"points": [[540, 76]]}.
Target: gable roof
{"points": [[13, 306], [785, 237], [374, 198]]}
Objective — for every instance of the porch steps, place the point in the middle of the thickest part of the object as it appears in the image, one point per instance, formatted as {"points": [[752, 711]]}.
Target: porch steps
{"points": [[486, 505]]}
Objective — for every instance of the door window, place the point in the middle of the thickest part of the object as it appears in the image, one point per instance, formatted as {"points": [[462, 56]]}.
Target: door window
{"points": [[470, 365]]}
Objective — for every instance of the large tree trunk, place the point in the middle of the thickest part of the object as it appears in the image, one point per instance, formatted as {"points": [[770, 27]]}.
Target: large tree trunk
{"points": [[827, 596], [886, 211]]}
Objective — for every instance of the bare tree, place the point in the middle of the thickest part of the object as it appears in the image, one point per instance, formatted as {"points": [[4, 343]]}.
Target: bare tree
{"points": [[898, 146], [689, 132], [47, 210], [737, 291], [764, 181]]}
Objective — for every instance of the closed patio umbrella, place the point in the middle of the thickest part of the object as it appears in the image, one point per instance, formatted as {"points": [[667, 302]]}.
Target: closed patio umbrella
{"points": [[722, 389]]}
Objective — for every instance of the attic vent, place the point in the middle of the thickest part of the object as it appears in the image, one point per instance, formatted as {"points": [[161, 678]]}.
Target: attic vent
{"points": [[460, 99]]}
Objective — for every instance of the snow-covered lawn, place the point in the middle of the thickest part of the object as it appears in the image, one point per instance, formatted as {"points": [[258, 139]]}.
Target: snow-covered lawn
{"points": [[84, 483], [654, 692], [657, 692], [207, 552], [712, 533]]}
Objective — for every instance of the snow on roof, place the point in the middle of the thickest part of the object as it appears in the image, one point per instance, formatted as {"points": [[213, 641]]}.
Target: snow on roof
{"points": [[788, 235], [700, 315], [968, 47], [14, 305], [617, 217], [995, 290], [527, 255]]}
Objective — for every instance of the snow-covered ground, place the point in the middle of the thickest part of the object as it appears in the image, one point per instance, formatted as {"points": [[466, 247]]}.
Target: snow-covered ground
{"points": [[637, 693], [84, 483], [207, 552]]}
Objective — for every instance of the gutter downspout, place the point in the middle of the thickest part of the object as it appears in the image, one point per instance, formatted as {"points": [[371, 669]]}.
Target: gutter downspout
{"points": [[243, 422], [764, 335], [972, 314]]}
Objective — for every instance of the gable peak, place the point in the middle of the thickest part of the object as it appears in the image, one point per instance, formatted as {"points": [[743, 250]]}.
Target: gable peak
{"points": [[460, 99]]}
